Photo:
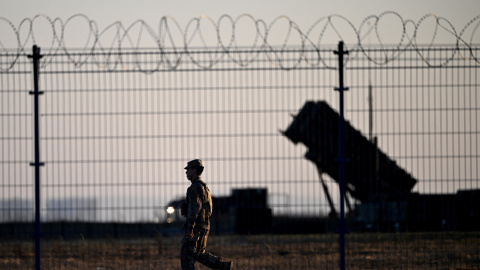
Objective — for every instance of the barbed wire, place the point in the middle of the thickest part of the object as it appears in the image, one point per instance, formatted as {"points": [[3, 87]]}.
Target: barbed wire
{"points": [[175, 44]]}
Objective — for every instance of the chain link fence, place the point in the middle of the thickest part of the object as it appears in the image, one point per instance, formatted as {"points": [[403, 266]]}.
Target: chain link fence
{"points": [[117, 127]]}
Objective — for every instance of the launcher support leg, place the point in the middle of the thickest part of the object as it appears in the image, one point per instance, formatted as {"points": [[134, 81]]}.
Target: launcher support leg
{"points": [[333, 212]]}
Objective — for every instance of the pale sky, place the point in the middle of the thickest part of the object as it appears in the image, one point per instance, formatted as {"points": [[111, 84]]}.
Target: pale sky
{"points": [[303, 12]]}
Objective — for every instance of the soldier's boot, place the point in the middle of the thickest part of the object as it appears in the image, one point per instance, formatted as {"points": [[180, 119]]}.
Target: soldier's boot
{"points": [[213, 261], [209, 260], [225, 265]]}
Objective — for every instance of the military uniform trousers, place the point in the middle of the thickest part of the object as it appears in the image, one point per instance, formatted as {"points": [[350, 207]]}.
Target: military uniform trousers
{"points": [[193, 249]]}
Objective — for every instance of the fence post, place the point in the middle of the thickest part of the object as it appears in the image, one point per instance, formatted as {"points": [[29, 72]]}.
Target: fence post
{"points": [[341, 153], [35, 58]]}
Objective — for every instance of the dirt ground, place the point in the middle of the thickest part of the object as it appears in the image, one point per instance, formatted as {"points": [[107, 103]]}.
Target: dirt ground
{"points": [[319, 251]]}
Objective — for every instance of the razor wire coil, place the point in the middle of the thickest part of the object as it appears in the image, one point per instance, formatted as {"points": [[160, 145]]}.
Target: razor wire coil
{"points": [[107, 53]]}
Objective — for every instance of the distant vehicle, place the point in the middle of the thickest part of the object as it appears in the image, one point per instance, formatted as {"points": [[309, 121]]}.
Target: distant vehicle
{"points": [[244, 212]]}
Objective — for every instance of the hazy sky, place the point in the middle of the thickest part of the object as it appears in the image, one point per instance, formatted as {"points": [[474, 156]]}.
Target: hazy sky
{"points": [[304, 12]]}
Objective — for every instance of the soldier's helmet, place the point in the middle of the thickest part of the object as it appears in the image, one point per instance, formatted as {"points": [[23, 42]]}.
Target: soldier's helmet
{"points": [[194, 163]]}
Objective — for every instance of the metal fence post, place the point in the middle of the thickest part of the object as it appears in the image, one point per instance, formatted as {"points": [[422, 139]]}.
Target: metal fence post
{"points": [[36, 57], [341, 153]]}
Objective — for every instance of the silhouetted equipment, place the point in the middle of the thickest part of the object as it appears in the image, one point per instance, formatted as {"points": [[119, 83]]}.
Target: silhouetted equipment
{"points": [[250, 211], [468, 210], [369, 173], [374, 179]]}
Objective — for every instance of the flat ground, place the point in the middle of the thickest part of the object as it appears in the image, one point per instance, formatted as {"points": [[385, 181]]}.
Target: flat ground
{"points": [[319, 251]]}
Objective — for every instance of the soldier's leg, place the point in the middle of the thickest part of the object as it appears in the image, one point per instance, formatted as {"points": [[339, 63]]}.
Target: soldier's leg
{"points": [[206, 258], [187, 253]]}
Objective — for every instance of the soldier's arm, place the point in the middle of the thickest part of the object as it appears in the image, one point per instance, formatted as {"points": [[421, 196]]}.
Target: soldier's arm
{"points": [[194, 206]]}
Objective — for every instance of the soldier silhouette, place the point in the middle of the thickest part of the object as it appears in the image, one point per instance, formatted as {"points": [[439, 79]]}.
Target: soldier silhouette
{"points": [[197, 208]]}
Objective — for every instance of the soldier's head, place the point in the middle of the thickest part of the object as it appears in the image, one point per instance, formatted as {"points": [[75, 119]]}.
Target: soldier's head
{"points": [[194, 169]]}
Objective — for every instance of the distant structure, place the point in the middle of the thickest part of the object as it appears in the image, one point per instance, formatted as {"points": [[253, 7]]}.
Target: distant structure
{"points": [[16, 210], [72, 209]]}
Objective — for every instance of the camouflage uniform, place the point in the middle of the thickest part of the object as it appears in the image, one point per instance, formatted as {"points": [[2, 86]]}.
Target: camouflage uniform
{"points": [[198, 206]]}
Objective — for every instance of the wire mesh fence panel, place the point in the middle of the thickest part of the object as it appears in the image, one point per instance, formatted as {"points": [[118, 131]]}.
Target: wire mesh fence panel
{"points": [[118, 128]]}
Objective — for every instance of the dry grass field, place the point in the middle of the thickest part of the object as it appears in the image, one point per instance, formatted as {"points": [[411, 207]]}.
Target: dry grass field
{"points": [[363, 251]]}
